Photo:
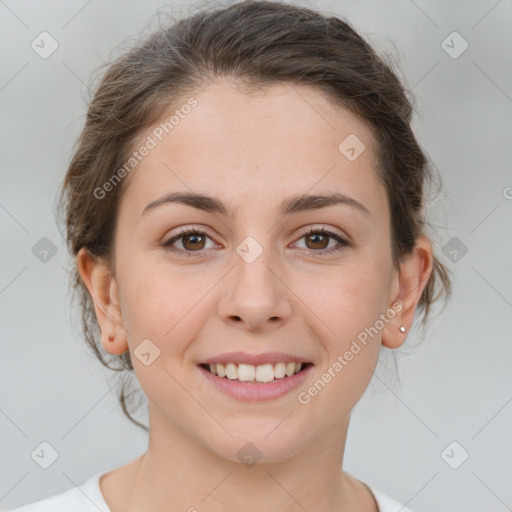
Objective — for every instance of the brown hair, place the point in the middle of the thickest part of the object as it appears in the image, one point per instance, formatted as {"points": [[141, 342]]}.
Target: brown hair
{"points": [[256, 43]]}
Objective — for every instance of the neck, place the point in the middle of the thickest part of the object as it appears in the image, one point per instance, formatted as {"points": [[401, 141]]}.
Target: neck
{"points": [[179, 470]]}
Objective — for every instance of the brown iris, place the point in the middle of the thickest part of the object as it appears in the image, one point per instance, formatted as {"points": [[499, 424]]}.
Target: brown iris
{"points": [[316, 236], [196, 241]]}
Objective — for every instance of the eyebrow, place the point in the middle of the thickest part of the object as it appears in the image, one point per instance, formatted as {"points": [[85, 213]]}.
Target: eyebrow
{"points": [[294, 204]]}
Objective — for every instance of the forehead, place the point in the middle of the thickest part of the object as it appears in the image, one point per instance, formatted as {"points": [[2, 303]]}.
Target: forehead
{"points": [[241, 145]]}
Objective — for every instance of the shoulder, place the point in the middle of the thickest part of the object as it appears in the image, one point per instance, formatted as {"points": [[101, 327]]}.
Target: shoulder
{"points": [[84, 498], [385, 502]]}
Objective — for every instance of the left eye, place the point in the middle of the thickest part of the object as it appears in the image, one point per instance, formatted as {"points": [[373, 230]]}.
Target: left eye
{"points": [[321, 236]]}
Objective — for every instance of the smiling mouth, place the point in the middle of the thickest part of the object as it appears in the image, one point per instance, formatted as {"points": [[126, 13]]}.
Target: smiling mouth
{"points": [[256, 374]]}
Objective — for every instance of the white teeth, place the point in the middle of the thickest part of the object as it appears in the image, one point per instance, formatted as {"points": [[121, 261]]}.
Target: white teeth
{"points": [[231, 371], [221, 369], [249, 372], [280, 370], [265, 373], [246, 372]]}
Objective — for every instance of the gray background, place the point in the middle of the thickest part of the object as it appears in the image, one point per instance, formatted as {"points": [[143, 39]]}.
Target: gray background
{"points": [[455, 386]]}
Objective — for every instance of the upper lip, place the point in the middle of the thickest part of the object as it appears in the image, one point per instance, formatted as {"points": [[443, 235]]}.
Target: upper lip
{"points": [[255, 359]]}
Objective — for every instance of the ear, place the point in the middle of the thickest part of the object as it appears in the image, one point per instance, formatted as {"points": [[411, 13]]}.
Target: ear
{"points": [[409, 283], [102, 287]]}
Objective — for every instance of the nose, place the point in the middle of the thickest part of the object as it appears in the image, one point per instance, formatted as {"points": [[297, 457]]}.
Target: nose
{"points": [[256, 296]]}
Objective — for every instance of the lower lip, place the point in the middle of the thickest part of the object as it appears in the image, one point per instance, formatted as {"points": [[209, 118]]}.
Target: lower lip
{"points": [[257, 391]]}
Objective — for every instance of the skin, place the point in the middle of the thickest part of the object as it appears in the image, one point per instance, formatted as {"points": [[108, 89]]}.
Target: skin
{"points": [[251, 151]]}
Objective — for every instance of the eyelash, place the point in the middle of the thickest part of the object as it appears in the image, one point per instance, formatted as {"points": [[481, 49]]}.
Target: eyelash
{"points": [[343, 243]]}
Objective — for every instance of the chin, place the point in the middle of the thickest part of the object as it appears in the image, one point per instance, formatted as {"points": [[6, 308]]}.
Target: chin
{"points": [[257, 442]]}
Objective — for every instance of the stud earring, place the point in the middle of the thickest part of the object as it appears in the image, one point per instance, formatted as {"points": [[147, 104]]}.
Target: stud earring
{"points": [[402, 328]]}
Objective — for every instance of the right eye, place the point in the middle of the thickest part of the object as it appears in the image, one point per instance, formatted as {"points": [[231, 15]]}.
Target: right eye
{"points": [[192, 241]]}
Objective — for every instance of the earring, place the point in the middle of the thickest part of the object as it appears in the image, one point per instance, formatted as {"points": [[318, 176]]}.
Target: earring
{"points": [[402, 328], [110, 337]]}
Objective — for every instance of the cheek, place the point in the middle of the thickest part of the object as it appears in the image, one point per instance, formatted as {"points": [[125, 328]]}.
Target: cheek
{"points": [[162, 311], [352, 296], [162, 305], [348, 314], [350, 306]]}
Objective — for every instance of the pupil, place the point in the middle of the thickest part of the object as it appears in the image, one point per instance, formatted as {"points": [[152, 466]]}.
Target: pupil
{"points": [[194, 244], [316, 237]]}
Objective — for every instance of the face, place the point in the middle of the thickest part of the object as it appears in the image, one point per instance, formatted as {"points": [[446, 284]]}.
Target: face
{"points": [[250, 279]]}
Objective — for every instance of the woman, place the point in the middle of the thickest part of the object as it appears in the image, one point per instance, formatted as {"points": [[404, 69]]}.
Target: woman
{"points": [[245, 206]]}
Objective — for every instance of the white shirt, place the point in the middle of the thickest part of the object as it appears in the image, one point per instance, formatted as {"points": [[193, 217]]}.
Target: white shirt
{"points": [[88, 498]]}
